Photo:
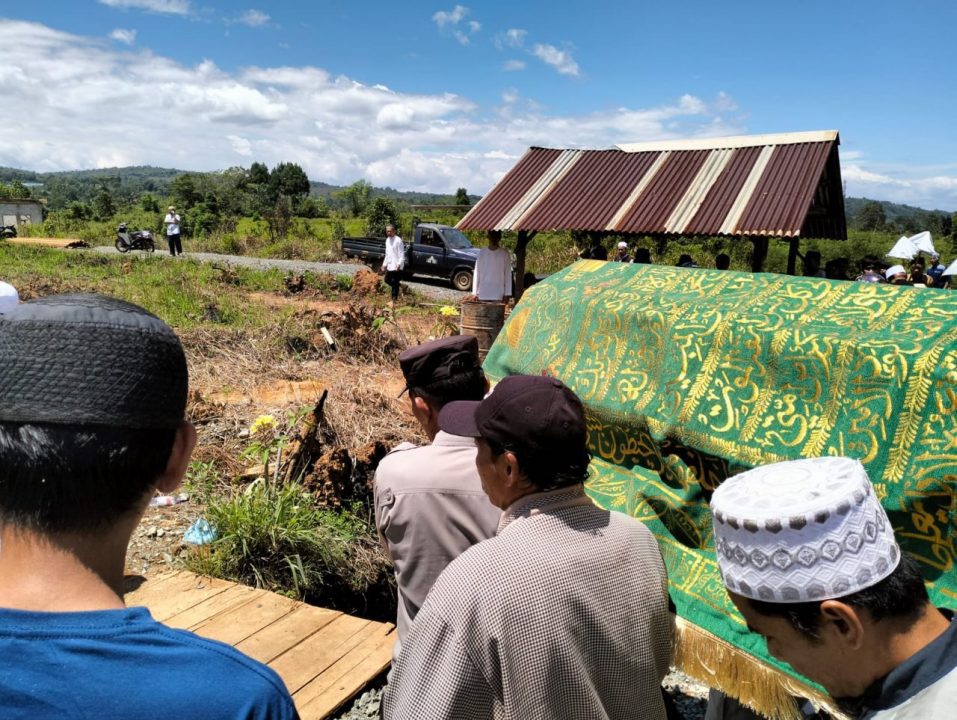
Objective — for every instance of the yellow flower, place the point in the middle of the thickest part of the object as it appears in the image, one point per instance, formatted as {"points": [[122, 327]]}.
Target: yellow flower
{"points": [[448, 310], [263, 422]]}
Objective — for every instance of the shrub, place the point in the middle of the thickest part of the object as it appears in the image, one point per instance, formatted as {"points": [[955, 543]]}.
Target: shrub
{"points": [[275, 536]]}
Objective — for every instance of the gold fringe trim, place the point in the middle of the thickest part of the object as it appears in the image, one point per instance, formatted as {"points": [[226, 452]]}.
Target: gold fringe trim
{"points": [[759, 686]]}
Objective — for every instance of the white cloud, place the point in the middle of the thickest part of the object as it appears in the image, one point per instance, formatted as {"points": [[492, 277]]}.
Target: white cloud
{"points": [[443, 18], [908, 185], [338, 129], [449, 20], [514, 65], [511, 38], [253, 18], [561, 60], [127, 37], [171, 7], [241, 145]]}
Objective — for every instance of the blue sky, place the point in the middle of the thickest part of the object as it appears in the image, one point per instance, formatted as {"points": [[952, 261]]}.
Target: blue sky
{"points": [[435, 95]]}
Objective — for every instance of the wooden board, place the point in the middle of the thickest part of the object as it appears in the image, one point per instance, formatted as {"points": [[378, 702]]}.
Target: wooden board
{"points": [[325, 657]]}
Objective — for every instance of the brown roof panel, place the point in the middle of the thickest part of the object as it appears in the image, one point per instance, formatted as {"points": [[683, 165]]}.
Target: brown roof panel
{"points": [[509, 190], [591, 193], [768, 185], [783, 196], [713, 211], [663, 193]]}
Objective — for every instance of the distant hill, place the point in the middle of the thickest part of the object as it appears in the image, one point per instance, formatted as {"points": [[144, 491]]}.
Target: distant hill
{"points": [[63, 187], [862, 214]]}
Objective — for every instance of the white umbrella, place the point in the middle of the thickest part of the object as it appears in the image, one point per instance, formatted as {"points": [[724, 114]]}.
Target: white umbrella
{"points": [[951, 269], [923, 242], [903, 248]]}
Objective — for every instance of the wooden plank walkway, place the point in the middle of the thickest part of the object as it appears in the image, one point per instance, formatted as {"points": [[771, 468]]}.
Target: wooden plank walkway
{"points": [[325, 657]]}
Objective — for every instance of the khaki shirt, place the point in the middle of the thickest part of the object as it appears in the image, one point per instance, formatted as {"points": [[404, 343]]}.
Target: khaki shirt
{"points": [[429, 509]]}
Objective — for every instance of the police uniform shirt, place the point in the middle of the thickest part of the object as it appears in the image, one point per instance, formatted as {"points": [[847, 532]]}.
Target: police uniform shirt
{"points": [[430, 508]]}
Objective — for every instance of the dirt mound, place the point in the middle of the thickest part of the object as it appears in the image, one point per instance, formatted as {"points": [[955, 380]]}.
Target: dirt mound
{"points": [[365, 282]]}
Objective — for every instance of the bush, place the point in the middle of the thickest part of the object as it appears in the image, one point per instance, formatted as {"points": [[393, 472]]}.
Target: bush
{"points": [[278, 538]]}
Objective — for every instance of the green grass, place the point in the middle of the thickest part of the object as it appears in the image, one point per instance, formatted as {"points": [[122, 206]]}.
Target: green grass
{"points": [[186, 294], [278, 538]]}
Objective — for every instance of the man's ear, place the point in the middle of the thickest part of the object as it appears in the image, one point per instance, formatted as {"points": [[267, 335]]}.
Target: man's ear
{"points": [[420, 405], [513, 471], [179, 456], [844, 621]]}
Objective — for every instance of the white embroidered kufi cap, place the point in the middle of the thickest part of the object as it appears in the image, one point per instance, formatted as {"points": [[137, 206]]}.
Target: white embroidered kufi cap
{"points": [[801, 531]]}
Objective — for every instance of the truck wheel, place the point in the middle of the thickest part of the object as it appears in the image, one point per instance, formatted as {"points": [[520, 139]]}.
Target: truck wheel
{"points": [[462, 280]]}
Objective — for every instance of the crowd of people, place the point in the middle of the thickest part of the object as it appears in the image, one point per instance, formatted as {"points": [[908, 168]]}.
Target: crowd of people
{"points": [[519, 597], [923, 270]]}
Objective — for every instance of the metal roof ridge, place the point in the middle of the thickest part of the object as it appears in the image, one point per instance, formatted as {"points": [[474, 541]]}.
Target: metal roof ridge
{"points": [[735, 141]]}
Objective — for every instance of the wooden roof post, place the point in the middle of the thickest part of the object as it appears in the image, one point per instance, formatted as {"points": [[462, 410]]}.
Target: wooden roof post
{"points": [[793, 255], [759, 254], [520, 247]]}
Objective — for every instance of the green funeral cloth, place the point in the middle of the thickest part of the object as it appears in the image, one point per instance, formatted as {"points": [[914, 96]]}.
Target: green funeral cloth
{"points": [[690, 376]]}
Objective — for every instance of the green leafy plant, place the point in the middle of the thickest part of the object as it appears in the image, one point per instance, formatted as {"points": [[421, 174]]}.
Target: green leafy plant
{"points": [[446, 323], [277, 537]]}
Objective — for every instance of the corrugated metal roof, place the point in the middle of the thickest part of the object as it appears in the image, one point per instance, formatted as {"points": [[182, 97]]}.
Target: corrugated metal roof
{"points": [[784, 185]]}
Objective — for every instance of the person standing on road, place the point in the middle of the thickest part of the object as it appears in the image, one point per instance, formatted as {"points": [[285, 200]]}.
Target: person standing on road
{"points": [[492, 281], [172, 221], [429, 504], [394, 261]]}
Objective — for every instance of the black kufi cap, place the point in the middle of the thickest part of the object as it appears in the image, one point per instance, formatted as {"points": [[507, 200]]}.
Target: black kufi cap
{"points": [[90, 360]]}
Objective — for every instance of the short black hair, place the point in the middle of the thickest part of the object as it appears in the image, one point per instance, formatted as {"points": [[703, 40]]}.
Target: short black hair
{"points": [[722, 261], [466, 385], [547, 471], [901, 596], [76, 478]]}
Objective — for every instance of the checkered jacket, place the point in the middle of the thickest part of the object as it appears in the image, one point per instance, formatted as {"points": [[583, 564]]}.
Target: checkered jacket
{"points": [[563, 615]]}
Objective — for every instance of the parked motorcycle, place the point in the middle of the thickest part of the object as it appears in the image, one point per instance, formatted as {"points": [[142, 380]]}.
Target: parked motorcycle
{"points": [[8, 231], [136, 240]]}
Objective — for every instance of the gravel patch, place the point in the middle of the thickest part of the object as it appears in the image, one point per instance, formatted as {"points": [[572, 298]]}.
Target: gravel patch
{"points": [[690, 698]]}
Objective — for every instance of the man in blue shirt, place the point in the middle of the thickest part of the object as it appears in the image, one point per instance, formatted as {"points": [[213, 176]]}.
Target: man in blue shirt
{"points": [[92, 406]]}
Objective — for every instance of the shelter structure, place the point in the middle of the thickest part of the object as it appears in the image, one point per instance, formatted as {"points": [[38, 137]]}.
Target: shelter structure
{"points": [[21, 212], [756, 187]]}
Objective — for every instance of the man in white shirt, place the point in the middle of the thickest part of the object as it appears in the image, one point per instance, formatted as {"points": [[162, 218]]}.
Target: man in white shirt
{"points": [[492, 280], [172, 232], [394, 261]]}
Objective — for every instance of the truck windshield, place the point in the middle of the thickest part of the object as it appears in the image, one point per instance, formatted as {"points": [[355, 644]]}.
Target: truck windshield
{"points": [[456, 239]]}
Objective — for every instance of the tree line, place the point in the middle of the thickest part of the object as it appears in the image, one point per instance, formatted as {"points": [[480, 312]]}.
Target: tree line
{"points": [[211, 201]]}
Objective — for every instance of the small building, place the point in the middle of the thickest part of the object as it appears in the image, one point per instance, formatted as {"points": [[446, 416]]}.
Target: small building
{"points": [[752, 187], [21, 212]]}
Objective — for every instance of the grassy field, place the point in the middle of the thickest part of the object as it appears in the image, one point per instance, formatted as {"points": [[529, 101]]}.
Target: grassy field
{"points": [[318, 240]]}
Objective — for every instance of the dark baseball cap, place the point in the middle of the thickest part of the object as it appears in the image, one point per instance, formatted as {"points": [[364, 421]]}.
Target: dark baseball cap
{"points": [[438, 360], [529, 413]]}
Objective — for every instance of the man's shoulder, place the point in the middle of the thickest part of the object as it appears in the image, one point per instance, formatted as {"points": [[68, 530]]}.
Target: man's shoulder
{"points": [[122, 651], [426, 466]]}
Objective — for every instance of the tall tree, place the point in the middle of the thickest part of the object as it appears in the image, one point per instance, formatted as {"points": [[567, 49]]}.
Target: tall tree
{"points": [[290, 180], [462, 197], [382, 212], [871, 216], [356, 196], [184, 191]]}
